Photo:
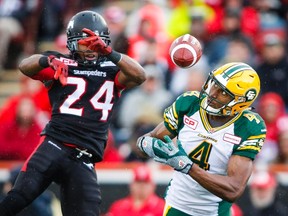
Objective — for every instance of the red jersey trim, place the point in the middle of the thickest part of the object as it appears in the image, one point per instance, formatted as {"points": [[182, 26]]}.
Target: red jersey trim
{"points": [[24, 167], [44, 74], [118, 84]]}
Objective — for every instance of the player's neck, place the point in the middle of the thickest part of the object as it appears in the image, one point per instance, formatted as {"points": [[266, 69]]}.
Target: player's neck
{"points": [[217, 121]]}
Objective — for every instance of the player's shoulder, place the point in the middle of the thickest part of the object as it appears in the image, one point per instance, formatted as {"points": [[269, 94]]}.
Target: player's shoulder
{"points": [[187, 100], [190, 94], [251, 118], [250, 123], [57, 54], [188, 97], [252, 130]]}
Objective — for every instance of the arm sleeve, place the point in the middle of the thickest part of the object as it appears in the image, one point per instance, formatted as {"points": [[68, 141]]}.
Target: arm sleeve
{"points": [[252, 129]]}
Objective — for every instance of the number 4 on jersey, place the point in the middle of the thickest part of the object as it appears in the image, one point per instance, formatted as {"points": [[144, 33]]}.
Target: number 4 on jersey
{"points": [[200, 155]]}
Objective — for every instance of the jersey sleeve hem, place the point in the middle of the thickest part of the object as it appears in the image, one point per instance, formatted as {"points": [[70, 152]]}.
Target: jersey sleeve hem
{"points": [[170, 129], [246, 154]]}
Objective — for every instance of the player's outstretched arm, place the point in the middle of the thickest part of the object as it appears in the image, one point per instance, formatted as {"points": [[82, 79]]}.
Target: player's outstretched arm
{"points": [[166, 152], [30, 66], [229, 187], [36, 67], [132, 73], [147, 144]]}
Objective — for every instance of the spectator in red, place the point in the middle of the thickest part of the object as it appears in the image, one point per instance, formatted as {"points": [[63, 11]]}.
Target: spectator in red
{"points": [[142, 199], [248, 15], [271, 107], [150, 22], [236, 210], [116, 20], [282, 124], [264, 198], [34, 90], [231, 29], [19, 136]]}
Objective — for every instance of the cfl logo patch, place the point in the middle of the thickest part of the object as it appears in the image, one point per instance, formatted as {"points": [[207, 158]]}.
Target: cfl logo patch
{"points": [[144, 144], [251, 94], [181, 164]]}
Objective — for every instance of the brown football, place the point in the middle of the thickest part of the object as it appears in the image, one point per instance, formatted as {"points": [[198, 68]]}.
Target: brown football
{"points": [[185, 51]]}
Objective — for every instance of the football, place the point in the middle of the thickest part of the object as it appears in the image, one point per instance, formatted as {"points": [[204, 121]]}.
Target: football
{"points": [[185, 51]]}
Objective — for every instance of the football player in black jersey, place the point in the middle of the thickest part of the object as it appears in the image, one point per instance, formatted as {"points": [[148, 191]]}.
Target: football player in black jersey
{"points": [[83, 87]]}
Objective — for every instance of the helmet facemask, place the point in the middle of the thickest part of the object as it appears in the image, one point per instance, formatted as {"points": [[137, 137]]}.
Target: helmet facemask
{"points": [[72, 45], [92, 21], [225, 109]]}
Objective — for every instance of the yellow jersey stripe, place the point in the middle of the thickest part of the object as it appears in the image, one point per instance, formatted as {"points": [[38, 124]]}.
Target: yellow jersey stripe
{"points": [[250, 148], [257, 136]]}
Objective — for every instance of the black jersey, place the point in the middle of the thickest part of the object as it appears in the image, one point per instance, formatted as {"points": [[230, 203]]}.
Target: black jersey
{"points": [[81, 110]]}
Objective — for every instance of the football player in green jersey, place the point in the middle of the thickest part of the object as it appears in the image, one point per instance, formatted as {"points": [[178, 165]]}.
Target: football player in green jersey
{"points": [[217, 138]]}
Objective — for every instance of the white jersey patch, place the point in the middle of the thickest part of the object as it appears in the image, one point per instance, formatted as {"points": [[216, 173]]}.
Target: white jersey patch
{"points": [[190, 122], [232, 138]]}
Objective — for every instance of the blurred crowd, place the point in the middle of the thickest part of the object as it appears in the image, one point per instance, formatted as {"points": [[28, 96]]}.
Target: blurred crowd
{"points": [[250, 31]]}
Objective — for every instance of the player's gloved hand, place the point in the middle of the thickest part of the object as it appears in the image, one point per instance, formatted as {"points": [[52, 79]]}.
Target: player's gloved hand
{"points": [[61, 69], [95, 43], [146, 144], [174, 156]]}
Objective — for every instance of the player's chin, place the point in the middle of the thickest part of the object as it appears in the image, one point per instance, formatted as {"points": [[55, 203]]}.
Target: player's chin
{"points": [[214, 104]]}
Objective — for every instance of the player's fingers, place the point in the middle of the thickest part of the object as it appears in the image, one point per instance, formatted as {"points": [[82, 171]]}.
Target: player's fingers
{"points": [[93, 46], [64, 70], [88, 40], [88, 32], [63, 80], [92, 39], [159, 143], [58, 72], [167, 139], [163, 146], [83, 42]]}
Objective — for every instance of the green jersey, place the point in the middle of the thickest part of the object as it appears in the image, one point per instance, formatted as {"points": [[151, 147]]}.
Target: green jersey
{"points": [[210, 148]]}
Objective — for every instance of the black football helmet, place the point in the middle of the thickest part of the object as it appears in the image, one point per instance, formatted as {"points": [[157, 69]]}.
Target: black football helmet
{"points": [[90, 20]]}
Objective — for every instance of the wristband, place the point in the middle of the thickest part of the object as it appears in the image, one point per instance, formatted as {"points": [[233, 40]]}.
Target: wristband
{"points": [[114, 56], [43, 62]]}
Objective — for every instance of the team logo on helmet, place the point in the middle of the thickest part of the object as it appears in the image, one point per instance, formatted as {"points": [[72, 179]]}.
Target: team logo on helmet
{"points": [[251, 94], [70, 24]]}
